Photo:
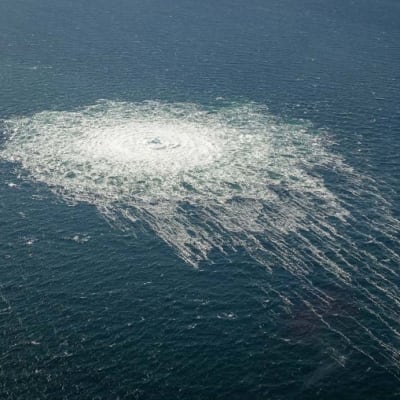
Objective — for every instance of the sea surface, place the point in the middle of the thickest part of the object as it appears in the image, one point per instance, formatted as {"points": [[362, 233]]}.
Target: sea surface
{"points": [[200, 199]]}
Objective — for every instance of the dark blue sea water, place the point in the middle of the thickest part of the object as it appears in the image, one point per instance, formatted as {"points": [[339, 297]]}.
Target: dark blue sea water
{"points": [[199, 199]]}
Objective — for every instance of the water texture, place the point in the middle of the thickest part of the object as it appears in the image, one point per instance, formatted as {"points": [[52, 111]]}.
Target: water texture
{"points": [[199, 201]]}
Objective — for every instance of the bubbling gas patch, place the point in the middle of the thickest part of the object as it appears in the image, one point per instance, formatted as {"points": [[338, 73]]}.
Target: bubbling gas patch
{"points": [[165, 163], [227, 178]]}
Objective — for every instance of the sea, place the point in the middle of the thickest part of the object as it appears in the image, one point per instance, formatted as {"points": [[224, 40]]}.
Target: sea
{"points": [[200, 200]]}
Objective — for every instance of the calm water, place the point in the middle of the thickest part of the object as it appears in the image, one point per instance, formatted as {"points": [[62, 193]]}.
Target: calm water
{"points": [[199, 200]]}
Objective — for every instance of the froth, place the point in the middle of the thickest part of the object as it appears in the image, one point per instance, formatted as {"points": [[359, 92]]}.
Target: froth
{"points": [[228, 178], [154, 147], [153, 158]]}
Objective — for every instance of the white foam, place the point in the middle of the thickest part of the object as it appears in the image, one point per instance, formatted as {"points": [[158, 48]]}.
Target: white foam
{"points": [[222, 179], [153, 159]]}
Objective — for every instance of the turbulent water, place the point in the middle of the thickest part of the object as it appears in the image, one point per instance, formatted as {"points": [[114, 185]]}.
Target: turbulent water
{"points": [[202, 179], [231, 178]]}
